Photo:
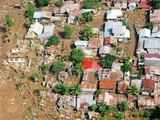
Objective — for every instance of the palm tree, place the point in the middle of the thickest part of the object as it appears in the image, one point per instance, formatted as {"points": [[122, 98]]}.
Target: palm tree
{"points": [[133, 90]]}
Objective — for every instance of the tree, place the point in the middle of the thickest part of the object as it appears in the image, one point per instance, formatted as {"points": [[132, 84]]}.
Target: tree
{"points": [[156, 4], [87, 33], [75, 90], [41, 3], [91, 4], [59, 3], [155, 113], [108, 60], [68, 31], [76, 56], [61, 89], [9, 22], [123, 106], [77, 69], [133, 90], [57, 67], [54, 40], [30, 12], [119, 116], [35, 77], [127, 65], [86, 17]]}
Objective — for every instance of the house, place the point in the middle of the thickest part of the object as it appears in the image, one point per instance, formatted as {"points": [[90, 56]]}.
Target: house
{"points": [[146, 102], [103, 74], [120, 4], [122, 86], [145, 5], [155, 16], [89, 53], [108, 85], [114, 14], [148, 87], [145, 32], [81, 44], [103, 50], [152, 59], [42, 15], [88, 86], [94, 43], [116, 29], [132, 5], [90, 64], [110, 40], [89, 76]]}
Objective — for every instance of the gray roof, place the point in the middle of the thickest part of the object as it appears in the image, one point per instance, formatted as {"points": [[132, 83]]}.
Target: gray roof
{"points": [[152, 43]]}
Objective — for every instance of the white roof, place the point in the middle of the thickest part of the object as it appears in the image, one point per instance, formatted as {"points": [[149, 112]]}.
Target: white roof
{"points": [[145, 32], [114, 13], [36, 28], [80, 43], [42, 14], [116, 29], [152, 43]]}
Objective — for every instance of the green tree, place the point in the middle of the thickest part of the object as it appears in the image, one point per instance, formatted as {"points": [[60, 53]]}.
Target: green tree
{"points": [[156, 4], [123, 106], [133, 90], [35, 77], [119, 116], [57, 67], [155, 113], [76, 56], [54, 40], [87, 33], [75, 90], [77, 69], [41, 3], [108, 60], [68, 32], [91, 4], [61, 89], [8, 22], [30, 12], [59, 3], [86, 17], [127, 65]]}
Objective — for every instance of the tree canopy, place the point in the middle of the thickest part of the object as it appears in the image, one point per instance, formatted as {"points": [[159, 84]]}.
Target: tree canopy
{"points": [[54, 40], [91, 4], [156, 4], [127, 65], [133, 90], [8, 21], [108, 60], [87, 33], [59, 3], [76, 56], [57, 67], [123, 106], [68, 31], [41, 3], [30, 12], [86, 17]]}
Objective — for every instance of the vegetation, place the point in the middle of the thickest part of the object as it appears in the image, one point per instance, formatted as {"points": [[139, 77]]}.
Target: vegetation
{"points": [[31, 8], [76, 56], [87, 33], [44, 68], [92, 4], [108, 60], [100, 107], [133, 90], [41, 3], [67, 90], [54, 40], [86, 17], [77, 70], [68, 31], [57, 67], [35, 77], [59, 3], [127, 65], [119, 116], [156, 4], [8, 22], [123, 106]]}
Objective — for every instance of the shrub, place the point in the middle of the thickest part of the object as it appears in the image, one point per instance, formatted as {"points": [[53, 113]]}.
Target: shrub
{"points": [[41, 3], [54, 40], [57, 67]]}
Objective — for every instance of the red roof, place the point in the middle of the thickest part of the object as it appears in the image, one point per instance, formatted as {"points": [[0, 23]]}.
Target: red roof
{"points": [[144, 4], [148, 85], [90, 64], [107, 84]]}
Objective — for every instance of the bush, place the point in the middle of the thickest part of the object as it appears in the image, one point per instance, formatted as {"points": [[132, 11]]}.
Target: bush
{"points": [[156, 4], [41, 3], [86, 17], [68, 31], [59, 3], [44, 68], [127, 65], [57, 67], [123, 106], [54, 40], [107, 61], [35, 77], [77, 69], [9, 22]]}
